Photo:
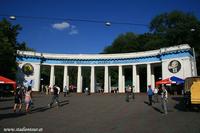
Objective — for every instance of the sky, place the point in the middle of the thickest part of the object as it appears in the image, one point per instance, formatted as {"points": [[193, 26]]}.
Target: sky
{"points": [[78, 37]]}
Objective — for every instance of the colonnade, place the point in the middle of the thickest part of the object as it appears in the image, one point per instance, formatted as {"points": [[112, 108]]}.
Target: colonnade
{"points": [[107, 78]]}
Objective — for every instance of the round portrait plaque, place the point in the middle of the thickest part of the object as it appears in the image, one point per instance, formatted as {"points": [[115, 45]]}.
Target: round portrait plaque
{"points": [[174, 66]]}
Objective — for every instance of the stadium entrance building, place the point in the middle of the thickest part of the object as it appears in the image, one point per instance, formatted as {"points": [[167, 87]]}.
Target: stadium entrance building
{"points": [[173, 61]]}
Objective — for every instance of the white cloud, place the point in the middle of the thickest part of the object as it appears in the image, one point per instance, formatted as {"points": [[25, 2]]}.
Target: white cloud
{"points": [[73, 30], [61, 26]]}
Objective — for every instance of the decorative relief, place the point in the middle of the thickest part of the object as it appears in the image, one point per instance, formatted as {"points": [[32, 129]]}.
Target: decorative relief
{"points": [[174, 66], [27, 69]]}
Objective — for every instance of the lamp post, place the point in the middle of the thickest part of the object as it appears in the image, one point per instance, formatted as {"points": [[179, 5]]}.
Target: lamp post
{"points": [[12, 17], [194, 57]]}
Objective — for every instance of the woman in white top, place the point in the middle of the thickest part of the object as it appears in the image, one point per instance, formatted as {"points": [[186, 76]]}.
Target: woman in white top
{"points": [[28, 98]]}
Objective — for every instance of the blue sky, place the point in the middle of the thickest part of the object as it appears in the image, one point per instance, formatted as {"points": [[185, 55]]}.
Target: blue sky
{"points": [[75, 37]]}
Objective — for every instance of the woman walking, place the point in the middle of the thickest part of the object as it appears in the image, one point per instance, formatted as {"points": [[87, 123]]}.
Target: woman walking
{"points": [[28, 99]]}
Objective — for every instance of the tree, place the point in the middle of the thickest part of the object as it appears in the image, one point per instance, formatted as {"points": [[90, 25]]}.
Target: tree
{"points": [[178, 28], [124, 43], [166, 29], [9, 47]]}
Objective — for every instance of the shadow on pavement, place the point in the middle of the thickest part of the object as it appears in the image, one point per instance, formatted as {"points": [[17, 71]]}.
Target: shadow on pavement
{"points": [[65, 102], [146, 102], [6, 108], [178, 99], [185, 108], [6, 99], [11, 115], [157, 109]]}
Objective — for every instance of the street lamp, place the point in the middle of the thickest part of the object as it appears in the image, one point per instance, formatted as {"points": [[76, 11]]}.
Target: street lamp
{"points": [[12, 17], [192, 29], [108, 23]]}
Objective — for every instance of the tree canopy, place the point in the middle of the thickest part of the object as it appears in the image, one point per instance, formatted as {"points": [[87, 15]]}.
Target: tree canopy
{"points": [[9, 47], [166, 29]]}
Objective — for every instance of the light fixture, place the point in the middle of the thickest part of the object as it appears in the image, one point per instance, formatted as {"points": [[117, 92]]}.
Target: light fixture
{"points": [[12, 17], [108, 24], [192, 29]]}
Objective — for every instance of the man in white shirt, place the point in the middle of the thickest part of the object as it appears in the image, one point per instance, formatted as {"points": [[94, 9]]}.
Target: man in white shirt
{"points": [[164, 99], [156, 94]]}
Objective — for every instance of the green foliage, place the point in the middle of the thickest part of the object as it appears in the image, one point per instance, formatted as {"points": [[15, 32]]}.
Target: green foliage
{"points": [[123, 43], [8, 48], [166, 29]]}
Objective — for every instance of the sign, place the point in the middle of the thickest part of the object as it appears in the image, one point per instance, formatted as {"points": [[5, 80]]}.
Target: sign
{"points": [[174, 66]]}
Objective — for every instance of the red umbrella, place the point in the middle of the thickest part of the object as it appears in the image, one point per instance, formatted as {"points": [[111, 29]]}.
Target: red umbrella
{"points": [[164, 81], [4, 80]]}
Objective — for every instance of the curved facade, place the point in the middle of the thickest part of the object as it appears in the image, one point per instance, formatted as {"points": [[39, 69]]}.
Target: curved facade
{"points": [[175, 61]]}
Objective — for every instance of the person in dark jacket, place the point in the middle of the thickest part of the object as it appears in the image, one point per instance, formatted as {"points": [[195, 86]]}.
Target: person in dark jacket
{"points": [[55, 96], [18, 98]]}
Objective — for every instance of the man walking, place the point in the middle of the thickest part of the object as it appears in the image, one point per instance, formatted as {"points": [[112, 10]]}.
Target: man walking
{"points": [[156, 94], [128, 92], [65, 91], [55, 96], [164, 99], [150, 94], [18, 98]]}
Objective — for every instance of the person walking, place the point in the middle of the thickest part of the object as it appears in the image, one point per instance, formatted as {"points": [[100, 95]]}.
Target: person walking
{"points": [[55, 96], [150, 94], [18, 98], [47, 89], [128, 92], [133, 92], [164, 99], [28, 99], [65, 91], [86, 91], [156, 94]]}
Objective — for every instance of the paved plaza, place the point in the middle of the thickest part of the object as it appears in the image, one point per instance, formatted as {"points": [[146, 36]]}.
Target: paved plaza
{"points": [[101, 113]]}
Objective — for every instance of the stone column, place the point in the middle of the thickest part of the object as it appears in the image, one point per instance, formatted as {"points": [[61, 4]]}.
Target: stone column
{"points": [[120, 80], [66, 77], [106, 80], [36, 83], [152, 78], [92, 80], [109, 84], [134, 78], [138, 83], [52, 76], [123, 83], [79, 80], [148, 74]]}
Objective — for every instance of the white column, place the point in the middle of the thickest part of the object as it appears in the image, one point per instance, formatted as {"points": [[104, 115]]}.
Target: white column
{"points": [[134, 78], [148, 74], [106, 80], [92, 80], [36, 83], [120, 80], [138, 84], [109, 84], [66, 77], [152, 78], [79, 80], [123, 83], [52, 76]]}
